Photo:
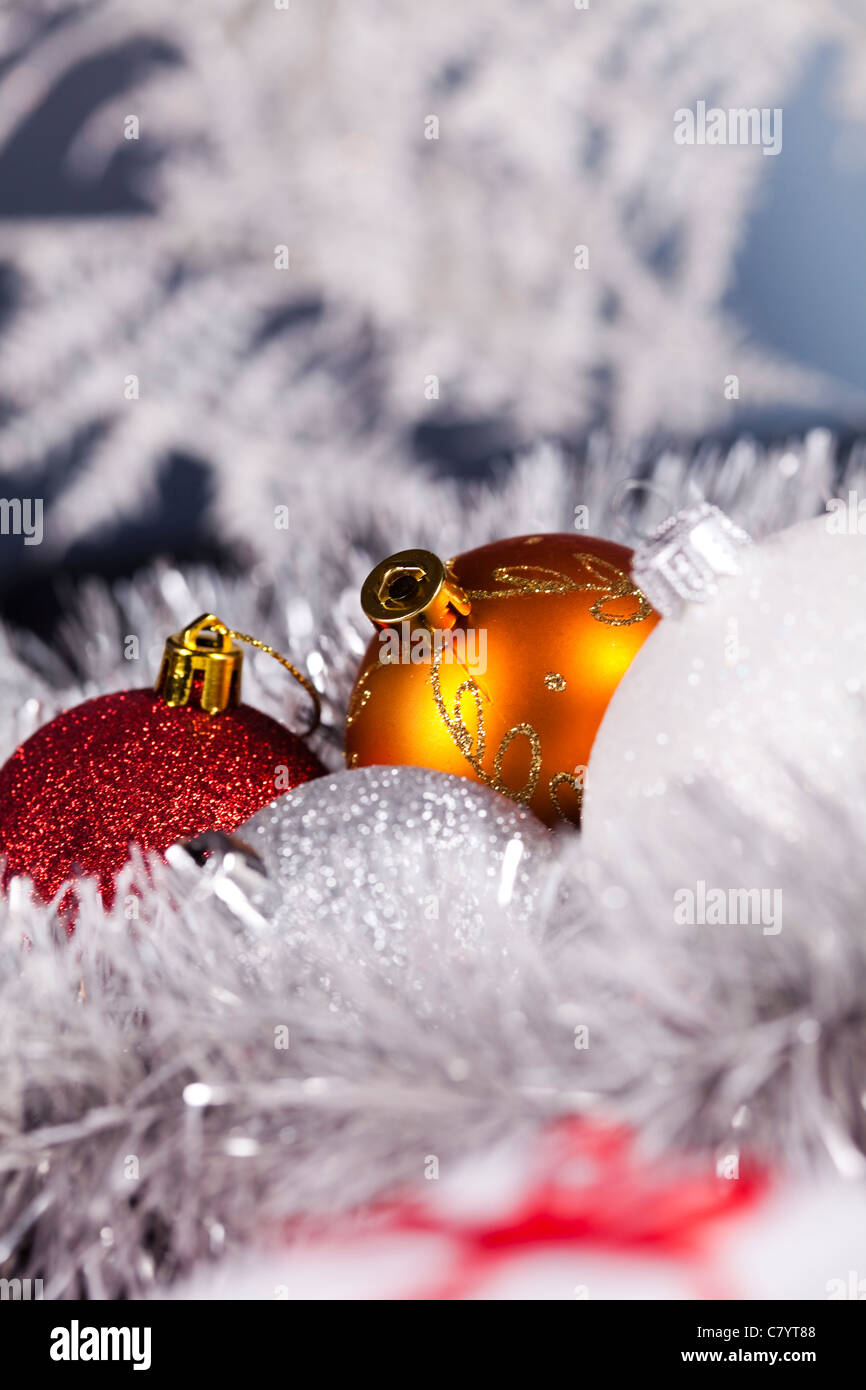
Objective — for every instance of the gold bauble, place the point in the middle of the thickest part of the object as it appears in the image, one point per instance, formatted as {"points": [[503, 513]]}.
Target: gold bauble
{"points": [[498, 665]]}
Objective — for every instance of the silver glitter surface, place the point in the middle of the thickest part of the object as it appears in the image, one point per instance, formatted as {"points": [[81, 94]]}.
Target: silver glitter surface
{"points": [[376, 855]]}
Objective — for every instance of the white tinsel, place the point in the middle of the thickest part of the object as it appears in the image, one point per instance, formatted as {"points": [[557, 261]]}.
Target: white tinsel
{"points": [[116, 1177], [409, 258]]}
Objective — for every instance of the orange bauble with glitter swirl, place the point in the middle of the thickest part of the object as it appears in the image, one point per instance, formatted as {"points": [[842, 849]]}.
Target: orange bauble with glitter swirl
{"points": [[499, 664]]}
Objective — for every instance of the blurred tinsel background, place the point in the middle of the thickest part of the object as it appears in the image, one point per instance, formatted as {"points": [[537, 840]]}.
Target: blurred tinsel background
{"points": [[258, 127]]}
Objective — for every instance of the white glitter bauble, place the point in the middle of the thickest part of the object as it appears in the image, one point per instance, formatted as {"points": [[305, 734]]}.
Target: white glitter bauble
{"points": [[393, 861], [758, 690]]}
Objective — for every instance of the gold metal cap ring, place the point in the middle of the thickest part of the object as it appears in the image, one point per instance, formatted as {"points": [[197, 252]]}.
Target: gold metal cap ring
{"points": [[413, 584]]}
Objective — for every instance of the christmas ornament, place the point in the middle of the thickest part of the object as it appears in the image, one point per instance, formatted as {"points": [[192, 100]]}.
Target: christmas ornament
{"points": [[683, 559], [147, 766], [572, 1212], [499, 665], [546, 1216], [372, 858], [760, 688]]}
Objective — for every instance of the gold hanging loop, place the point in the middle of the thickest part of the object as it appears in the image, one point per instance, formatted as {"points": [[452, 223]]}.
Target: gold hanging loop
{"points": [[292, 670], [206, 649]]}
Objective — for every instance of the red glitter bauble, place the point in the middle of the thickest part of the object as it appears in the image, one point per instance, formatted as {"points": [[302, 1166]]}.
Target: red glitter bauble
{"points": [[127, 768]]}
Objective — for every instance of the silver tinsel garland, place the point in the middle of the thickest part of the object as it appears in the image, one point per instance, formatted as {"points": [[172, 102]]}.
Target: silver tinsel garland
{"points": [[149, 1117]]}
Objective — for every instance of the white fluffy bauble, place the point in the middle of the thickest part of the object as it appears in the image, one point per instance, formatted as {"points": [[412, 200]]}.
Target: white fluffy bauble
{"points": [[758, 690]]}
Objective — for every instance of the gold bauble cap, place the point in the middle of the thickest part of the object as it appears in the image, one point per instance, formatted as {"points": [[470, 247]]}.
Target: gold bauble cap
{"points": [[205, 646], [413, 585]]}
